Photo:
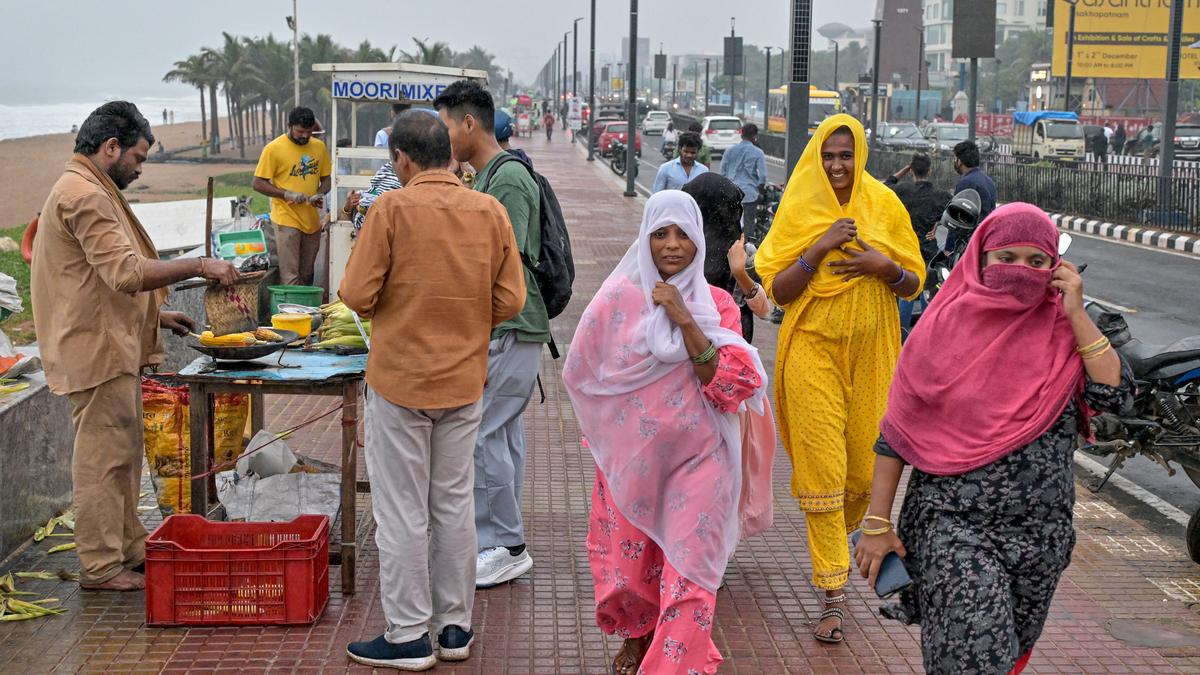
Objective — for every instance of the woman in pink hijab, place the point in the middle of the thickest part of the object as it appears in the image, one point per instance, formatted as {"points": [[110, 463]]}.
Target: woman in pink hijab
{"points": [[657, 373], [991, 390]]}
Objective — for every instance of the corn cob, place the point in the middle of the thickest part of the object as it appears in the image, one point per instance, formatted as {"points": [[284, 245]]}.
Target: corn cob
{"points": [[232, 340], [64, 547], [267, 335], [345, 340]]}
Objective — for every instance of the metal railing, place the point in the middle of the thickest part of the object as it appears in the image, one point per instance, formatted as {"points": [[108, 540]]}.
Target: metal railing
{"points": [[1125, 194]]}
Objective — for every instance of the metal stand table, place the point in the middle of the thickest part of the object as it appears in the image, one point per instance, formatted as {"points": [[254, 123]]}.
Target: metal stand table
{"points": [[296, 372]]}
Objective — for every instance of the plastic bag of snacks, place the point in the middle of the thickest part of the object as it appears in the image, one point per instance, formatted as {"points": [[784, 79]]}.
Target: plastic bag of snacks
{"points": [[167, 431]]}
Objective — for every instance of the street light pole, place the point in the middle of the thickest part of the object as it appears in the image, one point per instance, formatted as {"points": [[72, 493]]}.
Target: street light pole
{"points": [[295, 54], [732, 76], [566, 80], [767, 94], [1166, 156], [875, 81], [706, 81], [631, 160], [674, 86], [587, 137], [920, 67], [836, 79], [798, 81], [575, 59], [1070, 55]]}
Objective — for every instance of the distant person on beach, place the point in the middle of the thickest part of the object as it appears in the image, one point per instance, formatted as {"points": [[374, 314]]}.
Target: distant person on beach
{"points": [[381, 136], [172, 117], [293, 171], [98, 289], [433, 250], [74, 128], [164, 115]]}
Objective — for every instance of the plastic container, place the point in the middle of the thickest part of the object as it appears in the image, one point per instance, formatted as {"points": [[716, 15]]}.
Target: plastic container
{"points": [[232, 245], [300, 295], [301, 323], [206, 573]]}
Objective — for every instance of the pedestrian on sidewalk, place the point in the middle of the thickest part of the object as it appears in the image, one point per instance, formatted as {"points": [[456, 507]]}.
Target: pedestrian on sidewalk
{"points": [[432, 250], [746, 165], [840, 252], [720, 203], [705, 154], [98, 290], [548, 122], [673, 175], [293, 171], [515, 351], [985, 530], [1119, 138], [656, 372]]}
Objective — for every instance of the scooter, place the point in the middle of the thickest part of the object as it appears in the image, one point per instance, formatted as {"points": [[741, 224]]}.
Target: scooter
{"points": [[1165, 424], [618, 150]]}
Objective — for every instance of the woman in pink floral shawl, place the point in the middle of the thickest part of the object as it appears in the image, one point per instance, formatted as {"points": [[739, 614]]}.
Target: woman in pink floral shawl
{"points": [[657, 372]]}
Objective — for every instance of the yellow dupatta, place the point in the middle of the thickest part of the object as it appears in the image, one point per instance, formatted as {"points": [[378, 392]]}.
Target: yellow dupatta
{"points": [[809, 206]]}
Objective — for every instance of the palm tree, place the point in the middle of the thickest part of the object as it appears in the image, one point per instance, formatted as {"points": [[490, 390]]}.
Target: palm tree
{"points": [[480, 59], [437, 54], [314, 87], [368, 53], [231, 66], [191, 71]]}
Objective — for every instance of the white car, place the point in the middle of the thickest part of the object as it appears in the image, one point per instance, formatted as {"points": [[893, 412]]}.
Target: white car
{"points": [[721, 132], [655, 122]]}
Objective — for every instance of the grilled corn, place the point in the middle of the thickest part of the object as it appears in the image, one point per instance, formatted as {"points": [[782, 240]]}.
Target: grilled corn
{"points": [[267, 335], [232, 340]]}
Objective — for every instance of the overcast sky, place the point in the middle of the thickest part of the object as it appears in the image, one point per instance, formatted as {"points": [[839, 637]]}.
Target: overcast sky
{"points": [[78, 50]]}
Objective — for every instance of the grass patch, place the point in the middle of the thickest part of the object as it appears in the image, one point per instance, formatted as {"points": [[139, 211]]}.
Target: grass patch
{"points": [[238, 184], [18, 327]]}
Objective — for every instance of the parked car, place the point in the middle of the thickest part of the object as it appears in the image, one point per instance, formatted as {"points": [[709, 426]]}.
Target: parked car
{"points": [[902, 137], [617, 131], [943, 136], [602, 120], [655, 122], [721, 132]]}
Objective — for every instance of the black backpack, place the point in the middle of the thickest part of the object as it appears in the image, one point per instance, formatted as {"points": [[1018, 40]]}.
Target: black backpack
{"points": [[555, 269]]}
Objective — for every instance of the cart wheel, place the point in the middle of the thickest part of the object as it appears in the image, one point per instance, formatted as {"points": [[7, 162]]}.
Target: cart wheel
{"points": [[1193, 537]]}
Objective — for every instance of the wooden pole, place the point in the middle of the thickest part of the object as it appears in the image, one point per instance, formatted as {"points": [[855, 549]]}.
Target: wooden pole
{"points": [[208, 248]]}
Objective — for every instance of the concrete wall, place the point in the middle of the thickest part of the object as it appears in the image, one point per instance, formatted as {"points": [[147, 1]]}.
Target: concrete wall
{"points": [[35, 460]]}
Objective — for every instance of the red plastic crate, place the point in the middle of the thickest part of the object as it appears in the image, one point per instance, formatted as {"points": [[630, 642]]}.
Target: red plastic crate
{"points": [[202, 572]]}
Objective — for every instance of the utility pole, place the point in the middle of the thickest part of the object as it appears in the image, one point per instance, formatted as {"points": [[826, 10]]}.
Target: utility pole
{"points": [[1071, 54], [875, 82], [732, 76], [631, 160], [706, 81], [974, 97], [587, 137], [798, 81], [767, 93], [1166, 156], [660, 80], [295, 54], [674, 86], [920, 67], [566, 80], [575, 59]]}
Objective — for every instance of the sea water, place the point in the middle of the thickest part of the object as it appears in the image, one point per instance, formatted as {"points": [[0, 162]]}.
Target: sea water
{"points": [[20, 121]]}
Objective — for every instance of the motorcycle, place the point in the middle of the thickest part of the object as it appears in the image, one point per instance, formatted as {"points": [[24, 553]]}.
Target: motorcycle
{"points": [[769, 196], [668, 150], [1165, 424], [960, 219], [619, 152]]}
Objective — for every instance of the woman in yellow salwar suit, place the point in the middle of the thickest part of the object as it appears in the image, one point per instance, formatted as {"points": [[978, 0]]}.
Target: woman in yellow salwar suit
{"points": [[840, 252]]}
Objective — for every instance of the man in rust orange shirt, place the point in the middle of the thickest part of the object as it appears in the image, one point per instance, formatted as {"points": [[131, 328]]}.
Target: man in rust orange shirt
{"points": [[435, 267]]}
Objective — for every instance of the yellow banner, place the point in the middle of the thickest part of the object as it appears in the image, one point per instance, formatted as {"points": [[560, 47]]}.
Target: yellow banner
{"points": [[1124, 38], [618, 83]]}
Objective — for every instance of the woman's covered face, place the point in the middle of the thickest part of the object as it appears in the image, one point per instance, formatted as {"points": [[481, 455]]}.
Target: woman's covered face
{"points": [[671, 250], [1029, 256], [837, 158]]}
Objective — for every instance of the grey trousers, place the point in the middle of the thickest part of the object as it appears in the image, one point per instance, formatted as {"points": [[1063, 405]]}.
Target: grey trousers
{"points": [[500, 450], [419, 464]]}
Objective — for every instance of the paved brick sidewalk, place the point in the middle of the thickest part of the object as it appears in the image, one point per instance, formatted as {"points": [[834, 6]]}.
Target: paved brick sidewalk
{"points": [[1125, 580]]}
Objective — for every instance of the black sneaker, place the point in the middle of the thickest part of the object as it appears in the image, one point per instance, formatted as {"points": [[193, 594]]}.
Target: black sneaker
{"points": [[454, 644], [414, 655]]}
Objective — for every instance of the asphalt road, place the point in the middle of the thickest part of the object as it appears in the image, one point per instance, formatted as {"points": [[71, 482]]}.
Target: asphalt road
{"points": [[1155, 289]]}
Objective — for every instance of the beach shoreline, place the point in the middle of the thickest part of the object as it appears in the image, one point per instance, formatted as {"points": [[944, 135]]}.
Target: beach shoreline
{"points": [[33, 164]]}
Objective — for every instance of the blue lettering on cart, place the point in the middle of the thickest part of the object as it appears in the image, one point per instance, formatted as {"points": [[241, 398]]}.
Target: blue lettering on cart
{"points": [[387, 91]]}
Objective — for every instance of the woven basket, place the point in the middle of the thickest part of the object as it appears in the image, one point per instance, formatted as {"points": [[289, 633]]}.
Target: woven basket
{"points": [[233, 309]]}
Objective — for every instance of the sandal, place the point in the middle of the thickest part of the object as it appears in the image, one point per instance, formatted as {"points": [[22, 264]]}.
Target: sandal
{"points": [[835, 636], [629, 658]]}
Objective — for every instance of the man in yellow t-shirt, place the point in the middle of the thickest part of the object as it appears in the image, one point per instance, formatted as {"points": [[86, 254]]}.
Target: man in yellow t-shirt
{"points": [[293, 171]]}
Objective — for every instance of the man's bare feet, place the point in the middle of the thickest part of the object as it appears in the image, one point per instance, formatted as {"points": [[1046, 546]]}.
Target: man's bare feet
{"points": [[124, 581]]}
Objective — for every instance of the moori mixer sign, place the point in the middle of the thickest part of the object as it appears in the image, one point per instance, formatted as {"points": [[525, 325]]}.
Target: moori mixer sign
{"points": [[1124, 38]]}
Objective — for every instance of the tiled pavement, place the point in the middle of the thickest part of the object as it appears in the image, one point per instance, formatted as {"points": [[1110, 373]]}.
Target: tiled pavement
{"points": [[1125, 580]]}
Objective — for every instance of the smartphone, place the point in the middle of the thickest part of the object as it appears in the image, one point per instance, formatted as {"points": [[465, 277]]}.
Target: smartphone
{"points": [[893, 576]]}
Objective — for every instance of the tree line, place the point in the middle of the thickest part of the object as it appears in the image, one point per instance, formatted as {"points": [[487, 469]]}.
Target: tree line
{"points": [[254, 74]]}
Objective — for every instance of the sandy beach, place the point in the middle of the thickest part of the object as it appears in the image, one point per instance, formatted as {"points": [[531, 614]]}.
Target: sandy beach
{"points": [[31, 165]]}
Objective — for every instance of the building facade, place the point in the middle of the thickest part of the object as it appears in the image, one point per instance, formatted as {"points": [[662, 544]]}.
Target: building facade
{"points": [[1012, 17]]}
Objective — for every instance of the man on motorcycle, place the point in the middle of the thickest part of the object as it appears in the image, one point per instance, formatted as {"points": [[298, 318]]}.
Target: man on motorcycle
{"points": [[966, 163], [925, 203], [669, 137]]}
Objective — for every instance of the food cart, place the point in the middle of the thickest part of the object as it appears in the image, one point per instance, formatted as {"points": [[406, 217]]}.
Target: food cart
{"points": [[367, 85]]}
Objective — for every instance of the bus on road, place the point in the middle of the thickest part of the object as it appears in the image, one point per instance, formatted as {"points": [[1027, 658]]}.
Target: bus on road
{"points": [[821, 104]]}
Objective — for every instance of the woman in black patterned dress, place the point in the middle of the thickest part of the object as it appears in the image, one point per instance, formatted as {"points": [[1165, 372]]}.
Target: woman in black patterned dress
{"points": [[991, 391]]}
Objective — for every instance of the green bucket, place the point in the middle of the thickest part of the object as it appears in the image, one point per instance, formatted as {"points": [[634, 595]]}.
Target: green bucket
{"points": [[299, 295], [4, 313]]}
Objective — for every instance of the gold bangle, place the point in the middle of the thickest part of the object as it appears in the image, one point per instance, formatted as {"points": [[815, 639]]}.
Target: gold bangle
{"points": [[876, 531], [1096, 355], [1094, 346], [878, 519]]}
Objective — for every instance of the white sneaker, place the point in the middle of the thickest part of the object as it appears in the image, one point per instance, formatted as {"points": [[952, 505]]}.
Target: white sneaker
{"points": [[496, 566]]}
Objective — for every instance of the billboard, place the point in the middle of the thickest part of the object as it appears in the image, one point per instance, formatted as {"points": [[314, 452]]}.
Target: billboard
{"points": [[1124, 38], [974, 35]]}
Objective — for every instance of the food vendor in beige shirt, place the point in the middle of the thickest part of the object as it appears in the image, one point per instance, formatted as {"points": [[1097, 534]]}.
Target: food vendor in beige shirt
{"points": [[98, 289]]}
